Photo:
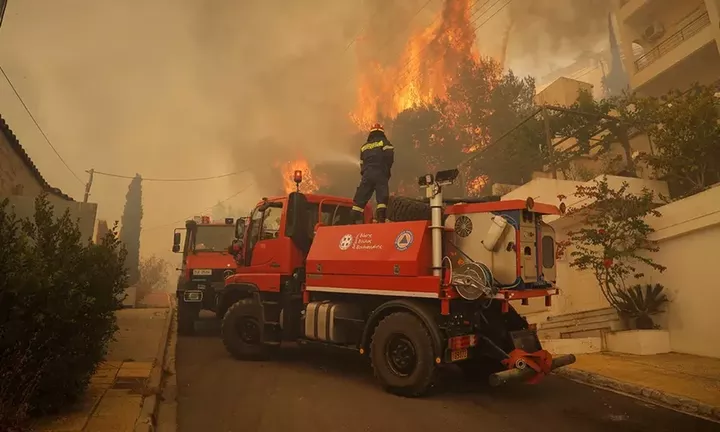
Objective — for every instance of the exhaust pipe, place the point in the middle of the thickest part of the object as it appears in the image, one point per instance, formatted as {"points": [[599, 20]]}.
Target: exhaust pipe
{"points": [[515, 374]]}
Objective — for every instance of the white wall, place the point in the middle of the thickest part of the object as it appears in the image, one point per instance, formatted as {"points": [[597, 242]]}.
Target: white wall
{"points": [[85, 213], [688, 234]]}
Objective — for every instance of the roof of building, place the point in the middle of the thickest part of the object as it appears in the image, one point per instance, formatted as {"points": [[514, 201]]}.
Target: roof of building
{"points": [[20, 151]]}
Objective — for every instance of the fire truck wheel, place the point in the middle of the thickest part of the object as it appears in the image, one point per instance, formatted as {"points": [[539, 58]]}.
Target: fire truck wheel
{"points": [[186, 316], [402, 355], [242, 332]]}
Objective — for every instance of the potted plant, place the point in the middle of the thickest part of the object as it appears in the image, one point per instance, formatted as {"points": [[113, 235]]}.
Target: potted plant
{"points": [[640, 302]]}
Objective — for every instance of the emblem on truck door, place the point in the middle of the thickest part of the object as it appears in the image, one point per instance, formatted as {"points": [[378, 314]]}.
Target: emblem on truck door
{"points": [[403, 240], [346, 242]]}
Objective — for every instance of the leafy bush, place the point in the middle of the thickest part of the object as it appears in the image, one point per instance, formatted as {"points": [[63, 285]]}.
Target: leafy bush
{"points": [[153, 276], [58, 296], [642, 304]]}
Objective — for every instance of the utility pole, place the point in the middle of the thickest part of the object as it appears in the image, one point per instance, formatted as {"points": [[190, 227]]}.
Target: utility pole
{"points": [[549, 143], [88, 185]]}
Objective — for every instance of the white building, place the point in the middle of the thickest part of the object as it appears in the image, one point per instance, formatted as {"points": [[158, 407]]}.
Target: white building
{"points": [[669, 44]]}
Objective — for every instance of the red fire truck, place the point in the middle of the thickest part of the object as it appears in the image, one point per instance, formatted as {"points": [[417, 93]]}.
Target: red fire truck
{"points": [[431, 288], [206, 262]]}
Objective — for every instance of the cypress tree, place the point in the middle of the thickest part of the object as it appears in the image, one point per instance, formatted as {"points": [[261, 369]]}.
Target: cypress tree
{"points": [[130, 228]]}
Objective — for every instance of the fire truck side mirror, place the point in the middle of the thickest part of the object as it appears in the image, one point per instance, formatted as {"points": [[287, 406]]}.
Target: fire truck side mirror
{"points": [[296, 226], [176, 242], [236, 247]]}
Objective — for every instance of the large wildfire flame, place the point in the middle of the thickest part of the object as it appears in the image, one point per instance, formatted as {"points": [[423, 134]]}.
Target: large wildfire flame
{"points": [[422, 73], [425, 69]]}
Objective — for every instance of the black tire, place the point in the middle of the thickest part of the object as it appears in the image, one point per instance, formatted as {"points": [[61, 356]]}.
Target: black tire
{"points": [[186, 317], [242, 332], [397, 333], [404, 209]]}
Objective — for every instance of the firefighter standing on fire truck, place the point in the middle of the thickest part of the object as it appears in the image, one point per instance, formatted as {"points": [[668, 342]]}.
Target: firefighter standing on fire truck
{"points": [[377, 156]]}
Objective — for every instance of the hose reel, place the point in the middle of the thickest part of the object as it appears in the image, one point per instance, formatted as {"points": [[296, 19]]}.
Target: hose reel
{"points": [[473, 280]]}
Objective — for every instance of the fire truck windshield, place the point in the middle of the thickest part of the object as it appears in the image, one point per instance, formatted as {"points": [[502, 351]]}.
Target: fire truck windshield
{"points": [[214, 238]]}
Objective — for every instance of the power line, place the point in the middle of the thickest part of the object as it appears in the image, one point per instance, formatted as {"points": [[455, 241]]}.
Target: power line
{"points": [[362, 30], [201, 211], [170, 179], [37, 125]]}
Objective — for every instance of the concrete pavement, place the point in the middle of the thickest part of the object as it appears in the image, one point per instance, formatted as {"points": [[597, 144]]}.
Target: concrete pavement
{"points": [[118, 390], [309, 390], [683, 382]]}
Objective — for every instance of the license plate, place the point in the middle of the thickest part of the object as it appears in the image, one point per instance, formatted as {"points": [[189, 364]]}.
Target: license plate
{"points": [[459, 355], [202, 272], [192, 296]]}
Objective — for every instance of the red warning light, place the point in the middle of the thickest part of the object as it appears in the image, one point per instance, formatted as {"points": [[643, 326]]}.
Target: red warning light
{"points": [[297, 176]]}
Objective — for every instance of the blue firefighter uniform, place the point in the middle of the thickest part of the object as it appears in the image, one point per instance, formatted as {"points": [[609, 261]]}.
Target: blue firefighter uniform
{"points": [[377, 156]]}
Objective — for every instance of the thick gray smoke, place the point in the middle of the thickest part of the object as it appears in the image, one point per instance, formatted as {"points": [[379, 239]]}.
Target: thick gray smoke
{"points": [[545, 32], [284, 75]]}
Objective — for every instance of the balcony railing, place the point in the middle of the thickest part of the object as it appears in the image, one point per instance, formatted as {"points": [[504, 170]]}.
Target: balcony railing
{"points": [[689, 30]]}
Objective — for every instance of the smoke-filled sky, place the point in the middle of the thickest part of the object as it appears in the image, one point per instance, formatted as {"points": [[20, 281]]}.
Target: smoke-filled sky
{"points": [[186, 88]]}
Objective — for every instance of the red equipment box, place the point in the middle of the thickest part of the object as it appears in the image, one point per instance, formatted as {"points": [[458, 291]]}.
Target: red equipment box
{"points": [[378, 259]]}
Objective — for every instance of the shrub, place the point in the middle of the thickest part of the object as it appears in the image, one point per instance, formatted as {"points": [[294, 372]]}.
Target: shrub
{"points": [[58, 296], [153, 276], [613, 241]]}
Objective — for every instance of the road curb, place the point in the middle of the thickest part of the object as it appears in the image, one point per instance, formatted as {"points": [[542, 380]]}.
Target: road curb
{"points": [[678, 403], [148, 412]]}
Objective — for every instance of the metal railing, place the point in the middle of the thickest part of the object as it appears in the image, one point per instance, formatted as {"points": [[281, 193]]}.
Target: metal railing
{"points": [[671, 42]]}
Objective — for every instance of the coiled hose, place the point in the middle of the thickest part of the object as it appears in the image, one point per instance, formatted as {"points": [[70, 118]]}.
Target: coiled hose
{"points": [[473, 280]]}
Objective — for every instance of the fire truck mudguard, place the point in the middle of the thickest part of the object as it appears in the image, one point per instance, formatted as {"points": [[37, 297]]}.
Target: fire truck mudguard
{"points": [[413, 307], [234, 292]]}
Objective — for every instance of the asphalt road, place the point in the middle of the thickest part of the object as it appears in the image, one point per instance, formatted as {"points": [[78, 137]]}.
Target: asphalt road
{"points": [[309, 390]]}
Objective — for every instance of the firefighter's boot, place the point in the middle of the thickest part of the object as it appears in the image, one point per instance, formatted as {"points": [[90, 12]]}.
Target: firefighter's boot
{"points": [[358, 216], [381, 214]]}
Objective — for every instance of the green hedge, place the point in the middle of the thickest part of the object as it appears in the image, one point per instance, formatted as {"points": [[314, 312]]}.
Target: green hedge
{"points": [[58, 295]]}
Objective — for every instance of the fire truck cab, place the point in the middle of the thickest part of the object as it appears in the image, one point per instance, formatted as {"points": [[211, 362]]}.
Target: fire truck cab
{"points": [[206, 262], [413, 294]]}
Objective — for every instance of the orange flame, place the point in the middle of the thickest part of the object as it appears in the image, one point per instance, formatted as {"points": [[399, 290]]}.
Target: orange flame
{"points": [[425, 69], [477, 184], [287, 169]]}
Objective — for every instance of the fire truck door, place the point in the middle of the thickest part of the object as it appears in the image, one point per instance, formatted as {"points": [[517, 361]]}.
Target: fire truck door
{"points": [[264, 231]]}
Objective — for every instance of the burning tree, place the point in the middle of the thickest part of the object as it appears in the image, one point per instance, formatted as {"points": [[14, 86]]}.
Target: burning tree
{"points": [[442, 101]]}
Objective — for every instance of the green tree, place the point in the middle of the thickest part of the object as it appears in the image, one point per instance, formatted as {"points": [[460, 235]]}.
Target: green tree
{"points": [[131, 225], [58, 296], [685, 131], [594, 124]]}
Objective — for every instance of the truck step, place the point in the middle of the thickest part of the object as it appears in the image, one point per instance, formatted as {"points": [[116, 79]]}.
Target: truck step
{"points": [[270, 302], [271, 343]]}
